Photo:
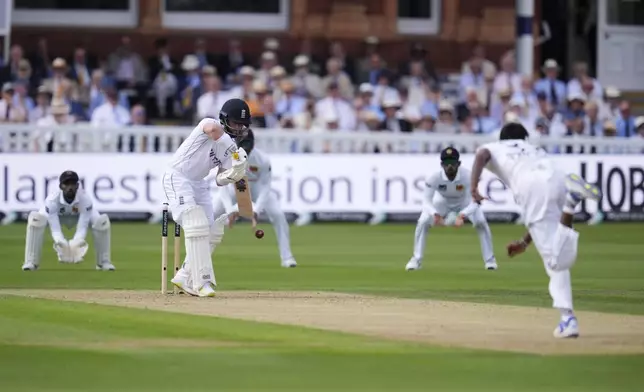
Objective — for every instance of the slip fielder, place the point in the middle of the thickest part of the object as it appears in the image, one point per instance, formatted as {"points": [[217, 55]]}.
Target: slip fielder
{"points": [[548, 198], [259, 177], [210, 145], [70, 206], [452, 185]]}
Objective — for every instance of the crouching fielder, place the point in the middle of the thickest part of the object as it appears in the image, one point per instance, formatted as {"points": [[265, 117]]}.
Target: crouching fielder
{"points": [[71, 207], [259, 178], [208, 146], [452, 185], [548, 198]]}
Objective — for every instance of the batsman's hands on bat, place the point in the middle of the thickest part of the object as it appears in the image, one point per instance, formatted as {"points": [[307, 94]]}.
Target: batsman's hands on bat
{"points": [[438, 220], [238, 169], [240, 163], [516, 248]]}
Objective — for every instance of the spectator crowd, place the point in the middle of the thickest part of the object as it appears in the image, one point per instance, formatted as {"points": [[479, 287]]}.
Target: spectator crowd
{"points": [[305, 92]]}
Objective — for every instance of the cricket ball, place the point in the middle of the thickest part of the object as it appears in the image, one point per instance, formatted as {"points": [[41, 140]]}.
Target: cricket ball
{"points": [[259, 233]]}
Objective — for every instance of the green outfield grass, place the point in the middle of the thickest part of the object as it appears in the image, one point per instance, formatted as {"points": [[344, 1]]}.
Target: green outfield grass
{"points": [[64, 346]]}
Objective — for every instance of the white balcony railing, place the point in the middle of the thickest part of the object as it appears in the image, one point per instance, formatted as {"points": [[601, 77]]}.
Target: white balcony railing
{"points": [[23, 138]]}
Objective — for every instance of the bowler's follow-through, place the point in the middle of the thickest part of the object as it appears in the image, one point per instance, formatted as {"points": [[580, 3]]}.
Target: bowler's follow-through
{"points": [[548, 198]]}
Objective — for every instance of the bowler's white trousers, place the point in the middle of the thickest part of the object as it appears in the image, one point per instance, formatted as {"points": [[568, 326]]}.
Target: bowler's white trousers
{"points": [[542, 196]]}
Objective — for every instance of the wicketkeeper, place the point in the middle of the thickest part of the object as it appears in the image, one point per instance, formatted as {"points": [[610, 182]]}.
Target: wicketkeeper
{"points": [[70, 206]]}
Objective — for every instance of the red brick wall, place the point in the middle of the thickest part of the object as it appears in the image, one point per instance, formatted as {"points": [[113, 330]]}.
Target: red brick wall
{"points": [[463, 25]]}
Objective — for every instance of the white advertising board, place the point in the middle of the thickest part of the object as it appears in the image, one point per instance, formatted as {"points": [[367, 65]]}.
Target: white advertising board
{"points": [[302, 182]]}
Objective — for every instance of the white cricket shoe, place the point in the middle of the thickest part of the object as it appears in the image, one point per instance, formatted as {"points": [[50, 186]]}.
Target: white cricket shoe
{"points": [[491, 265], [105, 267], [596, 218], [567, 329], [181, 282], [413, 265], [207, 291], [580, 189], [29, 266], [289, 263]]}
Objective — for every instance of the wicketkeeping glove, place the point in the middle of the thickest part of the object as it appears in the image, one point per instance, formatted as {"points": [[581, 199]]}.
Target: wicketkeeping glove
{"points": [[61, 246], [77, 249]]}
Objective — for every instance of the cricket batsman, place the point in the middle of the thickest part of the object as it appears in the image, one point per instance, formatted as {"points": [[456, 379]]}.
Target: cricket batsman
{"points": [[259, 178], [209, 146], [69, 206], [453, 186]]}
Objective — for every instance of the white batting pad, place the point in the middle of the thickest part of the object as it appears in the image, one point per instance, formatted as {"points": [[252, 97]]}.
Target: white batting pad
{"points": [[36, 224], [197, 238], [217, 231], [101, 233]]}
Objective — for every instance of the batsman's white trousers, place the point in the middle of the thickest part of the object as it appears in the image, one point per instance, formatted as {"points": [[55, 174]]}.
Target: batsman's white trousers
{"points": [[182, 193], [547, 192]]}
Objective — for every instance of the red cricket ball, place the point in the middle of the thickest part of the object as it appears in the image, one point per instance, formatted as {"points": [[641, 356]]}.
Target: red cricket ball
{"points": [[259, 233]]}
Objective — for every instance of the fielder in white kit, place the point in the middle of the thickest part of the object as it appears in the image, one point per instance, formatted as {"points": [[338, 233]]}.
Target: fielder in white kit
{"points": [[547, 197], [259, 178], [210, 145], [70, 206], [452, 185]]}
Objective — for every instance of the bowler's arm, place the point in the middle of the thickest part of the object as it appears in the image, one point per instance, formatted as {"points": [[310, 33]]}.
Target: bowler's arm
{"points": [[481, 159]]}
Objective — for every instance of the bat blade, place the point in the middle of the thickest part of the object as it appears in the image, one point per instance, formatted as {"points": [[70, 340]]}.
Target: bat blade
{"points": [[244, 201]]}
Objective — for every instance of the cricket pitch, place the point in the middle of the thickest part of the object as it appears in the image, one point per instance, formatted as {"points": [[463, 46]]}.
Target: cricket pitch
{"points": [[441, 323]]}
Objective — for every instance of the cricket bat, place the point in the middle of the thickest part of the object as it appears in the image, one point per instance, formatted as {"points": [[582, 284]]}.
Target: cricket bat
{"points": [[242, 193], [244, 201]]}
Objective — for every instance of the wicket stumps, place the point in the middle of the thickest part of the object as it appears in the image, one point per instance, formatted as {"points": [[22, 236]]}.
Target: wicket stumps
{"points": [[176, 252]]}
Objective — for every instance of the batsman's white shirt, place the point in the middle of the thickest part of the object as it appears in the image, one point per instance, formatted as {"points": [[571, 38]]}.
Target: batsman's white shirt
{"points": [[79, 212], [199, 154], [453, 195], [529, 173], [184, 182]]}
